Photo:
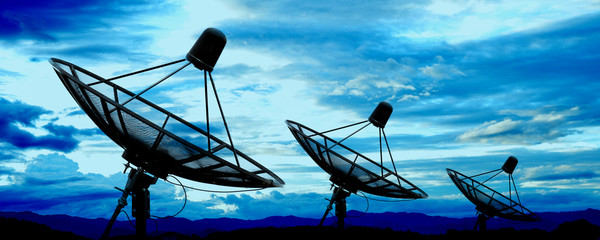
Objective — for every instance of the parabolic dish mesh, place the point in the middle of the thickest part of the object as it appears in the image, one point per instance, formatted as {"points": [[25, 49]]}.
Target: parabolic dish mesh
{"points": [[350, 169], [489, 201], [157, 140]]}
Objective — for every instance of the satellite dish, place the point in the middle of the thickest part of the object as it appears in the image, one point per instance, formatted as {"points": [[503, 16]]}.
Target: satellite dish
{"points": [[158, 142], [490, 203], [351, 171]]}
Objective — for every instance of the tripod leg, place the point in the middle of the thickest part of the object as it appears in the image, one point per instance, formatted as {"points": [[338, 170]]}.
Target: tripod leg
{"points": [[330, 206], [481, 222], [122, 203]]}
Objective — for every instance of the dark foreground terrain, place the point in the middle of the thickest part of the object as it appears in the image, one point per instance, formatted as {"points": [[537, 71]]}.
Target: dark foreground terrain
{"points": [[578, 229]]}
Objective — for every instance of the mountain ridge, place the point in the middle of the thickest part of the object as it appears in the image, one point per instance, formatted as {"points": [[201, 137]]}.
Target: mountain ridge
{"points": [[398, 221]]}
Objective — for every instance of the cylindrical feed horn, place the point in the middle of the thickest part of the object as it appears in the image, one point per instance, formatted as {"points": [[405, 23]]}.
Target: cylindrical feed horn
{"points": [[381, 114], [510, 164], [207, 49]]}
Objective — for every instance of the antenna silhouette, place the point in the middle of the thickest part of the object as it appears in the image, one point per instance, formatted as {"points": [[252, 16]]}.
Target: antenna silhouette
{"points": [[351, 171], [489, 202], [157, 142]]}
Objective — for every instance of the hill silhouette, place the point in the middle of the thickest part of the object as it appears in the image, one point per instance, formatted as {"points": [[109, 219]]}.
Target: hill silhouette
{"points": [[405, 225], [581, 229], [22, 229]]}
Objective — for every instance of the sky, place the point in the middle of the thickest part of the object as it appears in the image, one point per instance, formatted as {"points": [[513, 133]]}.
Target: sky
{"points": [[471, 83]]}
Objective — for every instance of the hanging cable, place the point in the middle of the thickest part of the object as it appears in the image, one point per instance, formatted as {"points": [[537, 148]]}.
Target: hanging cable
{"points": [[217, 191], [367, 209], [184, 200], [382, 200], [128, 219], [155, 226]]}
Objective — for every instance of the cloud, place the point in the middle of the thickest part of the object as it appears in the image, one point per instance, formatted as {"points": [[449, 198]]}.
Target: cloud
{"points": [[69, 131], [557, 173], [468, 83], [20, 116], [502, 71], [440, 71], [9, 73], [526, 70], [42, 20], [539, 128], [383, 79], [51, 183], [48, 29], [492, 129]]}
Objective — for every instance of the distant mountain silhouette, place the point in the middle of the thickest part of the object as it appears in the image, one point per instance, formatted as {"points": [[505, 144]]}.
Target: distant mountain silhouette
{"points": [[413, 222], [425, 224], [21, 229]]}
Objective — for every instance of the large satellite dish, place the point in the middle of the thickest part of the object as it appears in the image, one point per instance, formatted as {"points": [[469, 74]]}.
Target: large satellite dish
{"points": [[157, 142], [351, 171], [490, 203]]}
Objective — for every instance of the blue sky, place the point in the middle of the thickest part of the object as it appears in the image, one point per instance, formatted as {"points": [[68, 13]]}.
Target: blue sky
{"points": [[471, 83]]}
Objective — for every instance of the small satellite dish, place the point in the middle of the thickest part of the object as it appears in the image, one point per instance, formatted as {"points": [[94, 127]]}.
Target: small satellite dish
{"points": [[351, 171], [490, 203], [158, 142]]}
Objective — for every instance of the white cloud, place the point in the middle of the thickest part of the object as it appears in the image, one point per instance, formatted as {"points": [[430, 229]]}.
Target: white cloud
{"points": [[395, 86], [385, 79], [556, 116], [408, 97], [489, 130], [441, 71], [227, 209], [543, 129], [257, 102]]}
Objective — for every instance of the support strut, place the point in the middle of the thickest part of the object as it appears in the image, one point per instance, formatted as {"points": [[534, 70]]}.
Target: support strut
{"points": [[137, 185], [339, 198], [481, 222]]}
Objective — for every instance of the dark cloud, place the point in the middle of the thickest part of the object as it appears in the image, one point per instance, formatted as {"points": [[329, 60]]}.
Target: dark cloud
{"points": [[52, 180], [547, 70], [69, 131], [20, 112], [554, 66], [91, 30], [526, 81], [43, 20], [567, 175], [61, 138], [52, 183]]}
